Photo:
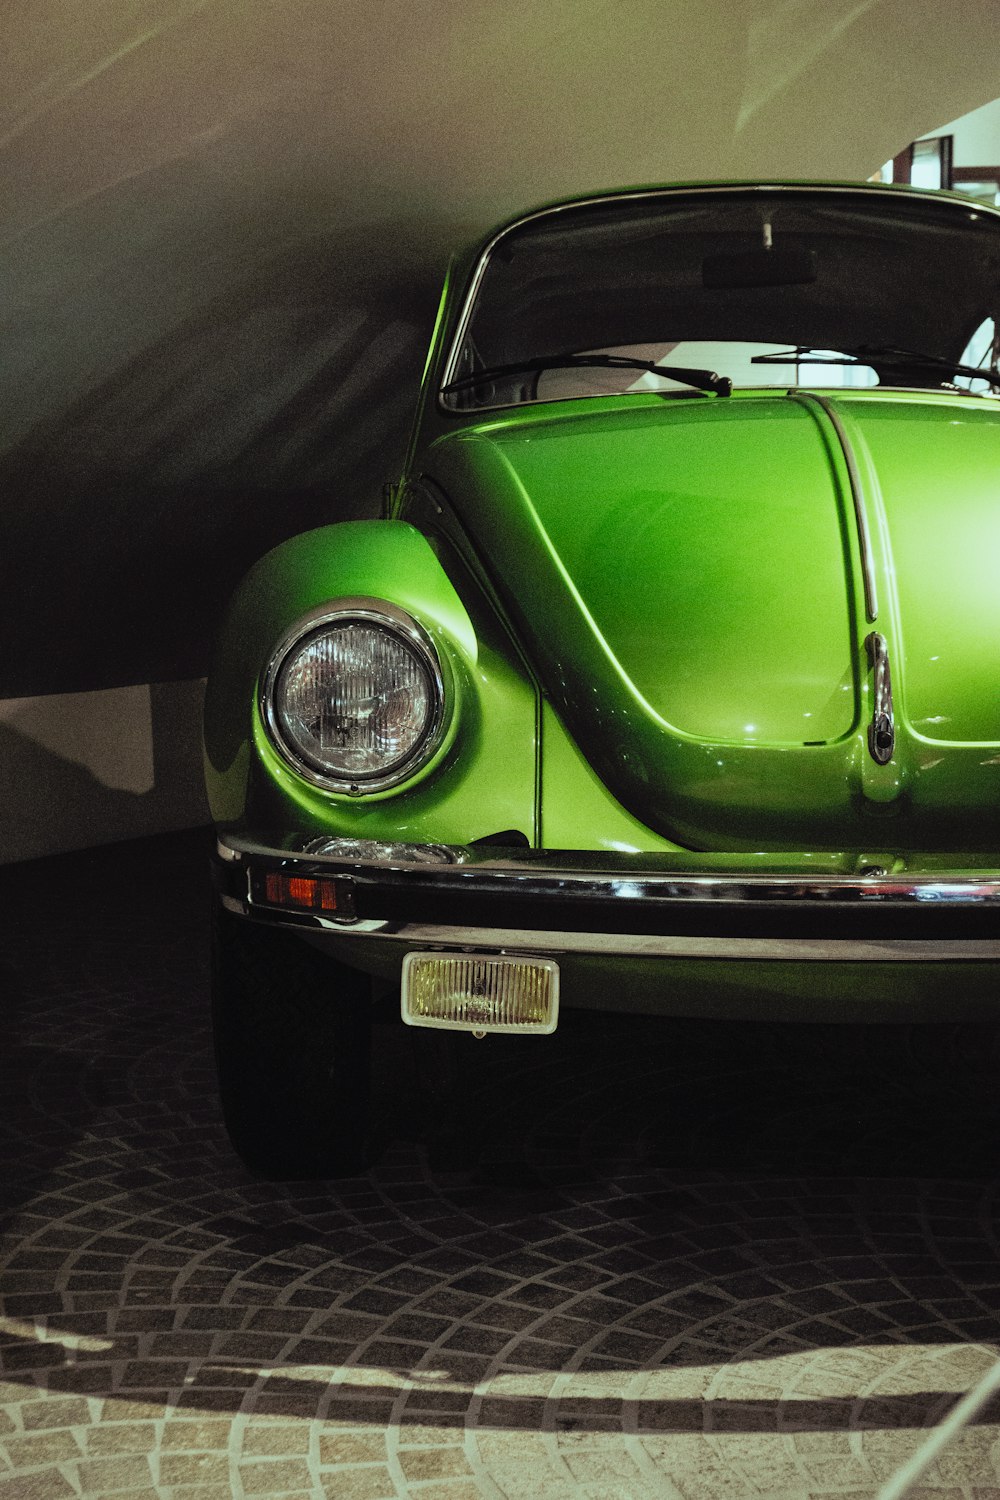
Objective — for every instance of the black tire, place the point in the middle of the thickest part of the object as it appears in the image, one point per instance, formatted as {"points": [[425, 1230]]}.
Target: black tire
{"points": [[292, 1049]]}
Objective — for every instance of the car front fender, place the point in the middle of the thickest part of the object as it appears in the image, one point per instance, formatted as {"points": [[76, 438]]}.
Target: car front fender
{"points": [[483, 780]]}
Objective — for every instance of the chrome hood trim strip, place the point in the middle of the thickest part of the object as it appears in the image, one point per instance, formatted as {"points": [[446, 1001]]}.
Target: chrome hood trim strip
{"points": [[807, 398]]}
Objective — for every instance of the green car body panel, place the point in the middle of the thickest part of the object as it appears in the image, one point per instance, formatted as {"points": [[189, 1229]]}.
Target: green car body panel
{"points": [[483, 776], [654, 616], [688, 582]]}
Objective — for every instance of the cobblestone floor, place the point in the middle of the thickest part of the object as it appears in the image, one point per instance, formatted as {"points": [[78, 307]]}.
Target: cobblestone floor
{"points": [[633, 1260]]}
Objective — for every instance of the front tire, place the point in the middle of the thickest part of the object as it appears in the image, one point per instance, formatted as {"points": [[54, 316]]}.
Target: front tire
{"points": [[292, 1032]]}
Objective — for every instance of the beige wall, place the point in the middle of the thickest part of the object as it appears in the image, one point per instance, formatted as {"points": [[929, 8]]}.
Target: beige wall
{"points": [[78, 769], [977, 135]]}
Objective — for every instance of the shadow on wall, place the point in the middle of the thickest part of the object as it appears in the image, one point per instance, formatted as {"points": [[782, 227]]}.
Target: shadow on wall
{"points": [[161, 438], [93, 768], [131, 510]]}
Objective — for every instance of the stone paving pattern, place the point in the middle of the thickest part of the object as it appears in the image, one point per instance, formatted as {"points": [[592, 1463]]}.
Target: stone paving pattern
{"points": [[637, 1259]]}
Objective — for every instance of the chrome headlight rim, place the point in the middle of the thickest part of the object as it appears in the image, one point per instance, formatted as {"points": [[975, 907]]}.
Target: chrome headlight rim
{"points": [[379, 614]]}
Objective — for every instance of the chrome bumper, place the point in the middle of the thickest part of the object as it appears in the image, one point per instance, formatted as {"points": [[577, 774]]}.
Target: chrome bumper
{"points": [[636, 905]]}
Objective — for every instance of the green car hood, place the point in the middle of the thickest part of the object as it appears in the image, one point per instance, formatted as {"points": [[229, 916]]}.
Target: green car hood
{"points": [[686, 577]]}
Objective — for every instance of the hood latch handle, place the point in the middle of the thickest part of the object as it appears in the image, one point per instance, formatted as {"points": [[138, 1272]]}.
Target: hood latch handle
{"points": [[882, 729]]}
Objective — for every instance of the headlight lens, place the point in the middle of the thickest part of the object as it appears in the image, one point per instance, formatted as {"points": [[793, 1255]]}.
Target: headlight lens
{"points": [[354, 700]]}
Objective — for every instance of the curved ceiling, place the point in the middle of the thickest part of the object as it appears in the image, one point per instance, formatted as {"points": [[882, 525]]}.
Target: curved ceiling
{"points": [[225, 222]]}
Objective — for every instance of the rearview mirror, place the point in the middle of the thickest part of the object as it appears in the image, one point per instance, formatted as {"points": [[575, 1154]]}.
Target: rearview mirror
{"points": [[786, 267]]}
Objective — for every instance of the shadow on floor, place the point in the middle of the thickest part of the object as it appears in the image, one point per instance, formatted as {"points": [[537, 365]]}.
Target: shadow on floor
{"points": [[625, 1200]]}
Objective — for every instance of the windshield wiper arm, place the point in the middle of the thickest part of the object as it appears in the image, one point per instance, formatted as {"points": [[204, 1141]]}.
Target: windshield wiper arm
{"points": [[889, 353], [702, 380], [873, 355]]}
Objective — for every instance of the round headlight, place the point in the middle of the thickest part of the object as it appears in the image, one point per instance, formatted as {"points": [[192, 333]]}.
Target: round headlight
{"points": [[354, 698]]}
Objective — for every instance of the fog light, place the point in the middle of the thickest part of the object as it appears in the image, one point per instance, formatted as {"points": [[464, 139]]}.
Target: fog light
{"points": [[480, 992]]}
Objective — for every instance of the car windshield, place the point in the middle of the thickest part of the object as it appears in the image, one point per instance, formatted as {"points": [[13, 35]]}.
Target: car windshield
{"points": [[763, 287]]}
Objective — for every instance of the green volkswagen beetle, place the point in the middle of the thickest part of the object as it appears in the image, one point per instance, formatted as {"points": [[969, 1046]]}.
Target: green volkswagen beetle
{"points": [[669, 681]]}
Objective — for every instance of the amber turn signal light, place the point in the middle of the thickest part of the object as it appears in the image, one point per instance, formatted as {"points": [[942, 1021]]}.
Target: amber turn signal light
{"points": [[304, 892]]}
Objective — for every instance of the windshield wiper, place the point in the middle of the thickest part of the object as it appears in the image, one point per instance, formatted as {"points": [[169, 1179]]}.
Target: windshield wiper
{"points": [[702, 380], [874, 355]]}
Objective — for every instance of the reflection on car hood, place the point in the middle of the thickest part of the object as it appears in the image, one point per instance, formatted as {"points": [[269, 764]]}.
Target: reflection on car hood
{"points": [[686, 575]]}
